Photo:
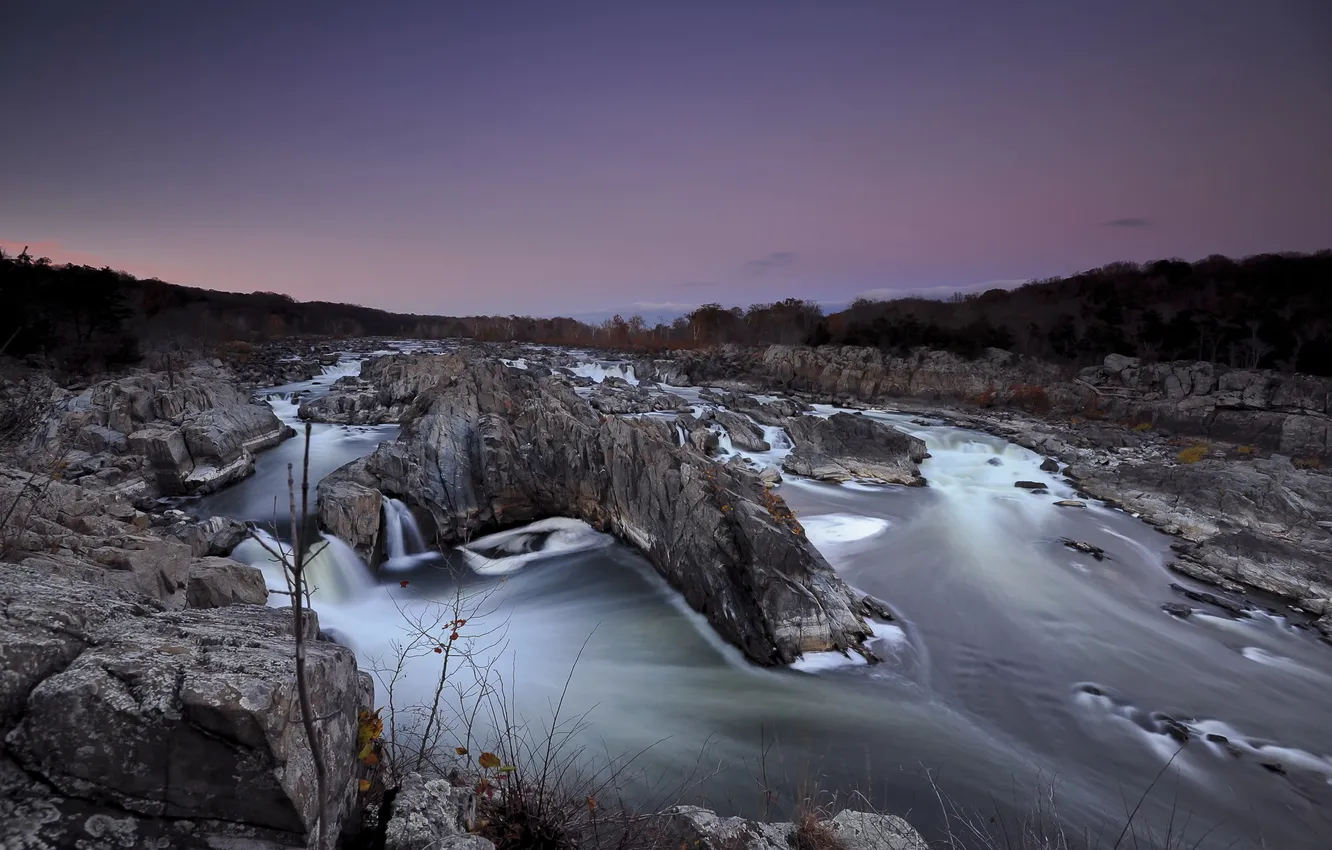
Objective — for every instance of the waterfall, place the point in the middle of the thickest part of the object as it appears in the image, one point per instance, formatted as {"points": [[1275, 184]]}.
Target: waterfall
{"points": [[402, 536], [680, 432], [334, 572]]}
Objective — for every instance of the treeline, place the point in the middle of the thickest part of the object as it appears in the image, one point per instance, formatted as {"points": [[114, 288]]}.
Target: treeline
{"points": [[1271, 311], [1267, 311]]}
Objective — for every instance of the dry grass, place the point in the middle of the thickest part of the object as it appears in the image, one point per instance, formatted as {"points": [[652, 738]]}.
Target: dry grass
{"points": [[1308, 463], [1142, 426], [812, 832], [1193, 453]]}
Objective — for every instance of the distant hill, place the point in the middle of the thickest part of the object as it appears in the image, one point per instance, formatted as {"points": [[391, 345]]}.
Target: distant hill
{"points": [[1270, 311]]}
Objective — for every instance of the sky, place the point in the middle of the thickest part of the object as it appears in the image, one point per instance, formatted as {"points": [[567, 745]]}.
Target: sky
{"points": [[567, 158]]}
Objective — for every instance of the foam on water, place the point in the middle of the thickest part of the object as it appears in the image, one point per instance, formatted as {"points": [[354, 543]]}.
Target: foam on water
{"points": [[509, 551], [828, 531]]}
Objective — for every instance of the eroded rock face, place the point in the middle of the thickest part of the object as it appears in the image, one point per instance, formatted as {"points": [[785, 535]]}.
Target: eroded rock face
{"points": [[492, 446], [846, 446], [125, 724]]}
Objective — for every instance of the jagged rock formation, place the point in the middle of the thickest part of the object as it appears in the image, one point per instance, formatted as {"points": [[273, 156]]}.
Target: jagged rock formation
{"points": [[845, 446], [491, 446], [383, 393], [156, 433]]}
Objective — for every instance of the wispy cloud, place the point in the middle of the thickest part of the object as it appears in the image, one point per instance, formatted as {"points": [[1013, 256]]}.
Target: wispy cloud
{"points": [[775, 260], [1127, 222]]}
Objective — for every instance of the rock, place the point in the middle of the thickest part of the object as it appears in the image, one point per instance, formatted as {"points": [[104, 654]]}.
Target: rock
{"points": [[494, 447], [845, 446], [1086, 548], [350, 508], [744, 434], [1175, 609], [217, 582], [214, 536], [1049, 465], [433, 815], [771, 476], [174, 725], [870, 831], [694, 827], [190, 430], [1070, 503], [1221, 602], [1029, 485], [704, 440]]}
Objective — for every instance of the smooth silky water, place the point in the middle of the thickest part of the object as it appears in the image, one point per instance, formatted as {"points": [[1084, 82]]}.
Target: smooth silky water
{"points": [[1018, 664]]}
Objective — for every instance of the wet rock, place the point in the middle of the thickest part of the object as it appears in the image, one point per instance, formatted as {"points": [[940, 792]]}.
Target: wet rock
{"points": [[744, 434], [217, 582], [1085, 548], [1273, 767], [1049, 465], [1070, 503], [1029, 485], [846, 447], [994, 461], [877, 609], [704, 440], [351, 508], [1221, 602], [1176, 609], [1172, 727]]}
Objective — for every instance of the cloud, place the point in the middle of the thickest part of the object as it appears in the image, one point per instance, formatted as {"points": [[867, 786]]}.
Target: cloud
{"points": [[775, 260], [1127, 222]]}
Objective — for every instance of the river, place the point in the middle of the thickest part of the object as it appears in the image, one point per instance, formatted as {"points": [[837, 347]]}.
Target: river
{"points": [[1021, 669]]}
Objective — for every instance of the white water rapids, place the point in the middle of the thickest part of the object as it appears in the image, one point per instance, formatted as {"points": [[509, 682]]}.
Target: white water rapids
{"points": [[1015, 662]]}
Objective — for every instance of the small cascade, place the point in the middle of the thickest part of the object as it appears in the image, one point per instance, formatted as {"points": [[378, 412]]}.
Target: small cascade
{"points": [[680, 433], [402, 535], [600, 371], [335, 573]]}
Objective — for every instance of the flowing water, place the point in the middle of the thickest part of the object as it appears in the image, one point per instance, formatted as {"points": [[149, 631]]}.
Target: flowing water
{"points": [[1017, 664]]}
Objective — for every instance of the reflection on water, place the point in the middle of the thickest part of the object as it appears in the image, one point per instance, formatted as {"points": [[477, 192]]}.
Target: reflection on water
{"points": [[1015, 660]]}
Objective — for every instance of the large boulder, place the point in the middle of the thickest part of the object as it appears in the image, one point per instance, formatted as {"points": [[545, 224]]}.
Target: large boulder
{"points": [[493, 446], [744, 434], [127, 725], [218, 582], [847, 446]]}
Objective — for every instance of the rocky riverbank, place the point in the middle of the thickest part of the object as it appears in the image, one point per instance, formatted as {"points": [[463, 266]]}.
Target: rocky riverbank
{"points": [[1229, 460]]}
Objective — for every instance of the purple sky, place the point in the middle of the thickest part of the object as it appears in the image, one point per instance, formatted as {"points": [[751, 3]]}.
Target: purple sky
{"points": [[552, 157]]}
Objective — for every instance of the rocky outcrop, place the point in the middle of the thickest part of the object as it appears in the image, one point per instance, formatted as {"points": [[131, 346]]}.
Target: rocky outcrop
{"points": [[1291, 414], [492, 446], [158, 433], [218, 582], [846, 446], [385, 390], [72, 532], [744, 434], [694, 827], [127, 725]]}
